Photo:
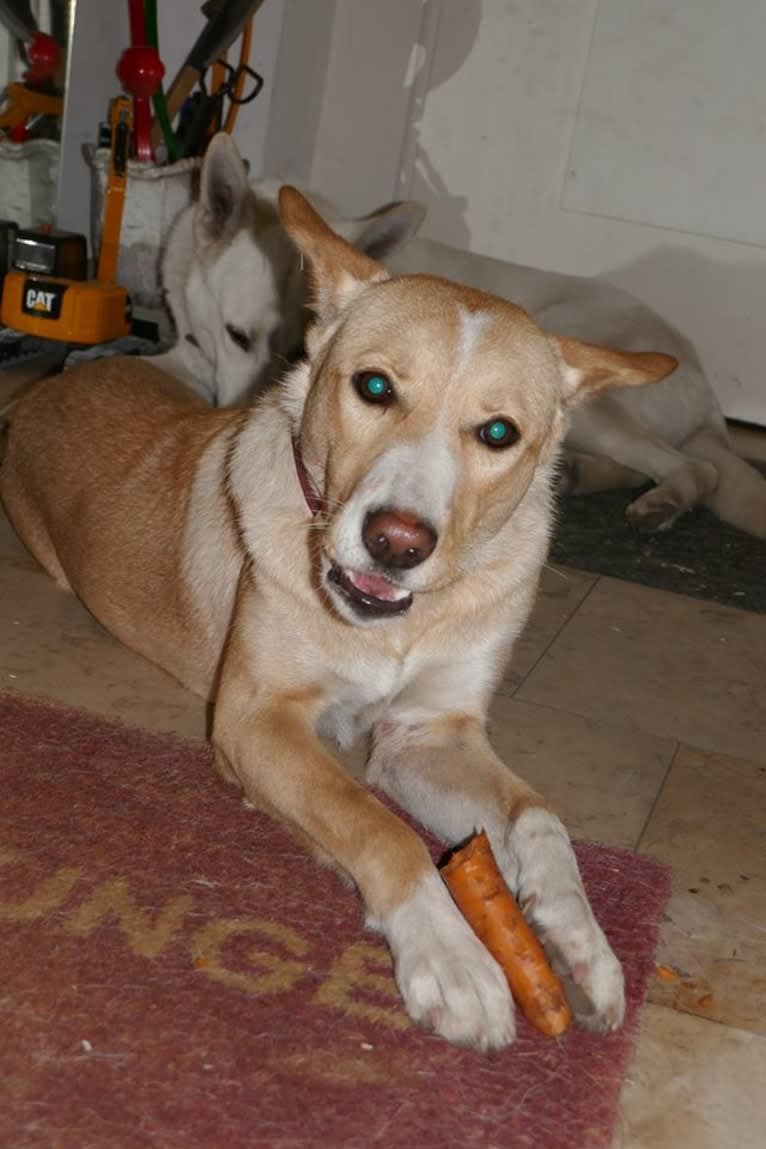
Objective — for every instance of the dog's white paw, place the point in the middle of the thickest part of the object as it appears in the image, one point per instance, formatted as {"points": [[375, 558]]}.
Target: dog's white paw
{"points": [[449, 982], [551, 891], [597, 990]]}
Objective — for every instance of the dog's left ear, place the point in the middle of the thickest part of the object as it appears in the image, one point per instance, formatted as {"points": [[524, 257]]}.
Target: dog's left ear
{"points": [[339, 272], [587, 369]]}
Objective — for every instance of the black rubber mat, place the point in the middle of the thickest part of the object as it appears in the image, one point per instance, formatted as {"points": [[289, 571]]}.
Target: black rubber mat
{"points": [[699, 556]]}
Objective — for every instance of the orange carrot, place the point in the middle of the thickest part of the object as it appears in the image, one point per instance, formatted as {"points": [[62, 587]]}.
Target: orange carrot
{"points": [[481, 895]]}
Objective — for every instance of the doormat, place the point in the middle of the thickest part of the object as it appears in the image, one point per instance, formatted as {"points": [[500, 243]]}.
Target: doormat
{"points": [[177, 973], [699, 556]]}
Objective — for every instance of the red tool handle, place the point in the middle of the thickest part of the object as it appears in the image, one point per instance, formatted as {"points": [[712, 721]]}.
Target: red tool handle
{"points": [[140, 71], [137, 23]]}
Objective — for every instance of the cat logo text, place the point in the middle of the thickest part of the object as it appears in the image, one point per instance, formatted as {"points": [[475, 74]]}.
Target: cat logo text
{"points": [[43, 299]]}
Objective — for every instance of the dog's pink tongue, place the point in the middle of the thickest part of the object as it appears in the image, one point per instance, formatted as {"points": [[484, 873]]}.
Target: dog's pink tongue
{"points": [[374, 585]]}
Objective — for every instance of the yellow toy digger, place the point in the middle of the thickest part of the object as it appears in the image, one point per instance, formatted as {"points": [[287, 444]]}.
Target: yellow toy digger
{"points": [[72, 310]]}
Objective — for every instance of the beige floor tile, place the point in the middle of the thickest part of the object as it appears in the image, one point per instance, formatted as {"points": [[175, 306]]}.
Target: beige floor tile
{"points": [[562, 589], [693, 1085], [672, 666], [601, 784], [50, 646], [710, 826]]}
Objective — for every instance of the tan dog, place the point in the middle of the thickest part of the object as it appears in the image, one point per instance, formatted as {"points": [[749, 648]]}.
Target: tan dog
{"points": [[355, 554]]}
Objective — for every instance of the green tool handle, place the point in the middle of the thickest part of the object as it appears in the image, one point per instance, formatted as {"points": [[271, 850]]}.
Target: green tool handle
{"points": [[160, 104]]}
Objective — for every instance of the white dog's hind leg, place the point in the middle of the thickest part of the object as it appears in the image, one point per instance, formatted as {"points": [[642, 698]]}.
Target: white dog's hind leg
{"points": [[740, 497], [604, 427]]}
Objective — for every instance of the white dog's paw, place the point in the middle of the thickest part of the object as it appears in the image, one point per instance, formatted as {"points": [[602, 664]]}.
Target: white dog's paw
{"points": [[553, 897], [449, 982]]}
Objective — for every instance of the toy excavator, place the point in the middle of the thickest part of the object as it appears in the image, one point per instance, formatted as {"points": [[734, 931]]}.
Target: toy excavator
{"points": [[68, 307]]}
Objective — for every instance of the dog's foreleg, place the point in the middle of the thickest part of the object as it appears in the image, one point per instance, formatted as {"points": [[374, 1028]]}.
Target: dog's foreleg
{"points": [[448, 981], [447, 775]]}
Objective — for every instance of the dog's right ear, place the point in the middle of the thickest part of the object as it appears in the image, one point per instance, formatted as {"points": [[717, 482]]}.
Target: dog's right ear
{"points": [[224, 192], [587, 369], [338, 271]]}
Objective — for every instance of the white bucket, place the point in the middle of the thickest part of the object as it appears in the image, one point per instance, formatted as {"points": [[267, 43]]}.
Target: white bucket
{"points": [[154, 197], [28, 174]]}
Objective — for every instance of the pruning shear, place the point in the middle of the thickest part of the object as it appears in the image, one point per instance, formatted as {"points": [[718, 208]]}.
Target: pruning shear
{"points": [[226, 20], [206, 109]]}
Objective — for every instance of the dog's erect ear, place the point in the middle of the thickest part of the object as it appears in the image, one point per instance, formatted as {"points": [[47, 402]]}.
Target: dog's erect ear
{"points": [[587, 369], [384, 230], [338, 270], [224, 192]]}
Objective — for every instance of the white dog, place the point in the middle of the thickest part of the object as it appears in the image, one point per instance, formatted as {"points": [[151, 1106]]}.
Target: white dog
{"points": [[234, 283], [235, 287]]}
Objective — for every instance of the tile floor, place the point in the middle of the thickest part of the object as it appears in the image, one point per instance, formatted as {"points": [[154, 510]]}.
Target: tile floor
{"points": [[642, 715]]}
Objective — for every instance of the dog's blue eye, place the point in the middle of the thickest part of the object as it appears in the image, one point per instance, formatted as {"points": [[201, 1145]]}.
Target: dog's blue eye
{"points": [[373, 387], [498, 433]]}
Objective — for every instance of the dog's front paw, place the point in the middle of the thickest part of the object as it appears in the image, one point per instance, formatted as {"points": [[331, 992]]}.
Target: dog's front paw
{"points": [[596, 988], [448, 980], [553, 897], [593, 979]]}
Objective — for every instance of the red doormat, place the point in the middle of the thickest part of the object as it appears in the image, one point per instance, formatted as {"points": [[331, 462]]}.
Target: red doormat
{"points": [[176, 974]]}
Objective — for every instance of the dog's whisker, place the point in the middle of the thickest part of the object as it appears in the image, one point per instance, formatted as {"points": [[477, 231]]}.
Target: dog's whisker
{"points": [[328, 503], [334, 504]]}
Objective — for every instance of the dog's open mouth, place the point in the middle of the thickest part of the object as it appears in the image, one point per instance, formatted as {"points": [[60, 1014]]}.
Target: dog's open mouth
{"points": [[370, 595]]}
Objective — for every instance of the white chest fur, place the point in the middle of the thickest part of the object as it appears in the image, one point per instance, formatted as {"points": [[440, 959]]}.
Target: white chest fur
{"points": [[361, 691]]}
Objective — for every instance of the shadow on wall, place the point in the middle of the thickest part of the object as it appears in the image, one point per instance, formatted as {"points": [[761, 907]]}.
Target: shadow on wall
{"points": [[719, 306], [447, 34]]}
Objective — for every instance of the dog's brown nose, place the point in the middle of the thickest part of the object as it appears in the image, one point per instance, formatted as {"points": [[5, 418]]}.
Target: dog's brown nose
{"points": [[398, 538]]}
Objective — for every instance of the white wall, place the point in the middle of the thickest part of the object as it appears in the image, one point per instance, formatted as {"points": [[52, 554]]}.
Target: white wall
{"points": [[343, 100], [299, 87]]}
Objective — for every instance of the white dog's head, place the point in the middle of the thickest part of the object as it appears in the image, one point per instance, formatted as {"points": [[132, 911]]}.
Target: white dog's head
{"points": [[233, 280]]}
